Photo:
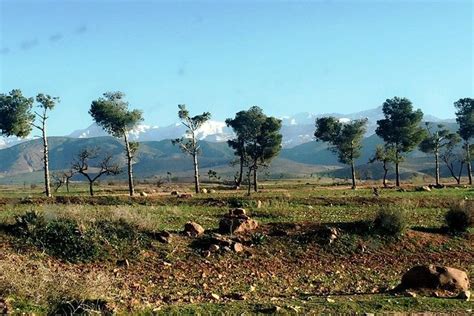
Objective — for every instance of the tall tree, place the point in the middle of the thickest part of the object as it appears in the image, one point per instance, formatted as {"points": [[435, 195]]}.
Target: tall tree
{"points": [[345, 139], [46, 103], [15, 114], [257, 141], [385, 155], [400, 128], [465, 119], [452, 156], [112, 113], [104, 166], [190, 144], [434, 142]]}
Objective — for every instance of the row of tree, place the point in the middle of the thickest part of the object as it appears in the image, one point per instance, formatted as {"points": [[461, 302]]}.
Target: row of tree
{"points": [[402, 131], [257, 136]]}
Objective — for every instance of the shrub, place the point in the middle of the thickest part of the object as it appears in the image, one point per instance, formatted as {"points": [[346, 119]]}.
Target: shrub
{"points": [[62, 238], [390, 222], [460, 216]]}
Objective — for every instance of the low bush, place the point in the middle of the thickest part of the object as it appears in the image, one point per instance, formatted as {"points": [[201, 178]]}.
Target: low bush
{"points": [[460, 217], [390, 222], [70, 241]]}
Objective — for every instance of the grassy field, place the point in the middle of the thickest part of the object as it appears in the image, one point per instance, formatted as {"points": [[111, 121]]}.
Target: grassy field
{"points": [[284, 266]]}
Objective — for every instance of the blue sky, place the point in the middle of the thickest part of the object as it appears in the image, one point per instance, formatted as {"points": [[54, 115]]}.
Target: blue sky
{"points": [[223, 56]]}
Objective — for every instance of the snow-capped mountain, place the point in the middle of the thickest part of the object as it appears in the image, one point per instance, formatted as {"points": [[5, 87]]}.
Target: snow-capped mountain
{"points": [[296, 129]]}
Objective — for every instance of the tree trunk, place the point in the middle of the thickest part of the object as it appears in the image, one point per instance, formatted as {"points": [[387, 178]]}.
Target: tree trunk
{"points": [[249, 175], [241, 174], [468, 162], [131, 189], [353, 175], [91, 188], [255, 184], [397, 168], [47, 185], [437, 167], [196, 173], [385, 172], [67, 185]]}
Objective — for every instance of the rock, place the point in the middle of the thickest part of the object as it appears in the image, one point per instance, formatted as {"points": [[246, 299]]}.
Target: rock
{"points": [[214, 248], [206, 253], [204, 190], [164, 237], [144, 194], [424, 188], [237, 212], [212, 191], [215, 296], [231, 225], [174, 193], [410, 294], [434, 277], [464, 295], [238, 247], [259, 204], [193, 229], [185, 195]]}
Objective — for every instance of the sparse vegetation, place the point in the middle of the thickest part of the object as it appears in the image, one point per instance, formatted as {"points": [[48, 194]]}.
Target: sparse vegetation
{"points": [[460, 216], [390, 221]]}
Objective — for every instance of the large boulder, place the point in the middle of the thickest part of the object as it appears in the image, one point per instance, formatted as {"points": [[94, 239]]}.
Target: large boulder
{"points": [[193, 229], [434, 277]]}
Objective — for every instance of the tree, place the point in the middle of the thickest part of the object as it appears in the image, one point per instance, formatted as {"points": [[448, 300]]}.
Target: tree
{"points": [[434, 142], [257, 141], [385, 155], [112, 114], [62, 178], [400, 128], [238, 144], [189, 144], [465, 119], [345, 139], [46, 103], [451, 156], [15, 114], [104, 166]]}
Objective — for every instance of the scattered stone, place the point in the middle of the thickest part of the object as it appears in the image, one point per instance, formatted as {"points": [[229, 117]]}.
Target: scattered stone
{"points": [[464, 295], [226, 249], [206, 253], [164, 237], [238, 247], [144, 194], [434, 277], [185, 195], [214, 248], [212, 191], [259, 204], [237, 212], [410, 294], [193, 229], [330, 300], [204, 190], [215, 296], [175, 193], [424, 188], [233, 225]]}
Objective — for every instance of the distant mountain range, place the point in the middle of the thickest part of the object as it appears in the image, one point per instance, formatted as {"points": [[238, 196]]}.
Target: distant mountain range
{"points": [[300, 157], [296, 130]]}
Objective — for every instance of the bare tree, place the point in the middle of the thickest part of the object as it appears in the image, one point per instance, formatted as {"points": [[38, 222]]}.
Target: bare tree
{"points": [[104, 166], [62, 178], [452, 156]]}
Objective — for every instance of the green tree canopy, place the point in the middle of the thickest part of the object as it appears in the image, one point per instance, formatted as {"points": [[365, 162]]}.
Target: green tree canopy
{"points": [[15, 114], [345, 139], [401, 128]]}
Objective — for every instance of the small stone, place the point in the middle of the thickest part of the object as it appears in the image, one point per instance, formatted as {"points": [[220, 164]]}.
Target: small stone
{"points": [[215, 296], [204, 190], [330, 300], [212, 191], [464, 295], [259, 204], [227, 249], [410, 294], [214, 248], [238, 247], [193, 229], [206, 254]]}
